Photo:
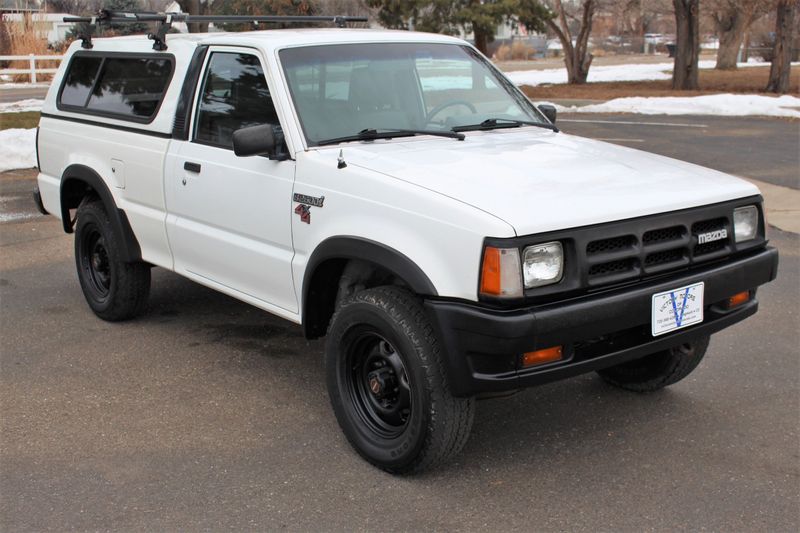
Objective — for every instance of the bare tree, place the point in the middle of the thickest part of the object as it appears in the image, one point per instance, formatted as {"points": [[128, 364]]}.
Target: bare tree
{"points": [[353, 8], [577, 58], [785, 27], [687, 41], [629, 17], [195, 7], [732, 19], [74, 7]]}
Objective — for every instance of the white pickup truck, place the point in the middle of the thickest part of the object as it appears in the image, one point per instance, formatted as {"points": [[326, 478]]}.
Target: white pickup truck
{"points": [[395, 192]]}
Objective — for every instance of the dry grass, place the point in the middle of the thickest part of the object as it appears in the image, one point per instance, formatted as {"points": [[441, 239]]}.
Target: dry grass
{"points": [[24, 41], [517, 51], [745, 80], [25, 120]]}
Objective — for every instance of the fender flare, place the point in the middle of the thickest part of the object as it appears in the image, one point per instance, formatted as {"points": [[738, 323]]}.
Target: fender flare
{"points": [[350, 247], [130, 249]]}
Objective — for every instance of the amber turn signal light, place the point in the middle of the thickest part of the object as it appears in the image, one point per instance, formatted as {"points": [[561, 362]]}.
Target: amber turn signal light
{"points": [[738, 299], [490, 277], [547, 355]]}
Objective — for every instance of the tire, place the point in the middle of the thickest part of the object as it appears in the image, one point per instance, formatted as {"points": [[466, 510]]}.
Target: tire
{"points": [[657, 370], [387, 385], [115, 290]]}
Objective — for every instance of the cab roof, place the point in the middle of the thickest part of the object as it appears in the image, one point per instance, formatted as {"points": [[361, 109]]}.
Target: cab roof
{"points": [[269, 39]]}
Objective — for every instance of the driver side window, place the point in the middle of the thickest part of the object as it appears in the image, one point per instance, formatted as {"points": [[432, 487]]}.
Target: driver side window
{"points": [[234, 95]]}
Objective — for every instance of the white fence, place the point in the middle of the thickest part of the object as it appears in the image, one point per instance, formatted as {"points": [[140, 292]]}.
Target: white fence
{"points": [[31, 71]]}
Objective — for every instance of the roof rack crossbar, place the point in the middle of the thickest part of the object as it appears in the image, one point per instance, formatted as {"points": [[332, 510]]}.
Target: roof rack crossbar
{"points": [[166, 20]]}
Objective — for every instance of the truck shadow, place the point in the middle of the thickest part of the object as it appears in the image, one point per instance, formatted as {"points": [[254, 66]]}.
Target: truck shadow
{"points": [[579, 418]]}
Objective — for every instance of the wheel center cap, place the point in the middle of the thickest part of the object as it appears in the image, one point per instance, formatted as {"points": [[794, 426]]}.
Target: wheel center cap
{"points": [[375, 385]]}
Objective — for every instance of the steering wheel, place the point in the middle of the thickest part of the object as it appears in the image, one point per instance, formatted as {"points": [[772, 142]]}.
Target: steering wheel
{"points": [[441, 107]]}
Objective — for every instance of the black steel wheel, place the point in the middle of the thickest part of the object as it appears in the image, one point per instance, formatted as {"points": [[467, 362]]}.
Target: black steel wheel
{"points": [[387, 385], [94, 263], [656, 371], [114, 289], [377, 384]]}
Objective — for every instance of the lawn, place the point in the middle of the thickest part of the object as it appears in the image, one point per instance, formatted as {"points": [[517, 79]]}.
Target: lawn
{"points": [[749, 80], [26, 120]]}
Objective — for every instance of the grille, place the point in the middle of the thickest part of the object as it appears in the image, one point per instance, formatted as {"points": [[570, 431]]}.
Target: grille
{"points": [[710, 247], [652, 249], [663, 235], [610, 245], [665, 257], [708, 225], [612, 267]]}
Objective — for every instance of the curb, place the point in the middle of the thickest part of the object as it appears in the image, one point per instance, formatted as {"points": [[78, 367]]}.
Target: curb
{"points": [[781, 205]]}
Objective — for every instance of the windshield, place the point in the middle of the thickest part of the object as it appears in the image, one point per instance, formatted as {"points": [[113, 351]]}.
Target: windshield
{"points": [[341, 90]]}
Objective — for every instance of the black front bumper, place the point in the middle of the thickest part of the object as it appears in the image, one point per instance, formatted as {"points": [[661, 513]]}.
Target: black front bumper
{"points": [[483, 346]]}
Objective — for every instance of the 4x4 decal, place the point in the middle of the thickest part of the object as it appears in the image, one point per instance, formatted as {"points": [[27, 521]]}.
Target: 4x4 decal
{"points": [[305, 213], [306, 202]]}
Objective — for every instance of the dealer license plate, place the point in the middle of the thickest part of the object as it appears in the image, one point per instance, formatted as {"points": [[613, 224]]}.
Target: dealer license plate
{"points": [[677, 309]]}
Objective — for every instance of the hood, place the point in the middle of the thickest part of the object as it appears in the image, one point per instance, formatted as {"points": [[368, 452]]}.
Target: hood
{"points": [[538, 181]]}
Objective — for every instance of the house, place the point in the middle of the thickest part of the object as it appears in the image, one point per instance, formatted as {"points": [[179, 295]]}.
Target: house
{"points": [[50, 26]]}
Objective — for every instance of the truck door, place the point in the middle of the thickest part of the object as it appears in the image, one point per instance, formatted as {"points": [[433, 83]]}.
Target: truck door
{"points": [[229, 217]]}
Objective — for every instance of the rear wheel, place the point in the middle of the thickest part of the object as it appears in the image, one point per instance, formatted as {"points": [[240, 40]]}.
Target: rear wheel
{"points": [[657, 370], [115, 290], [387, 385]]}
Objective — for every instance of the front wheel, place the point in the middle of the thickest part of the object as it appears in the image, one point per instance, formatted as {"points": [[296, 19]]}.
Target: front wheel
{"points": [[657, 370], [387, 385], [114, 289]]}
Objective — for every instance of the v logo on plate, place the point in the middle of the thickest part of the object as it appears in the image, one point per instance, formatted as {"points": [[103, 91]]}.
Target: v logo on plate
{"points": [[679, 317]]}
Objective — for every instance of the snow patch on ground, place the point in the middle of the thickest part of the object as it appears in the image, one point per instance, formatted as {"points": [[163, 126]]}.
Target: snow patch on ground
{"points": [[21, 106], [7, 214], [713, 104], [17, 149], [15, 217], [632, 72], [23, 85]]}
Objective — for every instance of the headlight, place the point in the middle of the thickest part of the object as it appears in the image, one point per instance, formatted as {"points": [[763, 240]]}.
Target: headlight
{"points": [[745, 223], [542, 264]]}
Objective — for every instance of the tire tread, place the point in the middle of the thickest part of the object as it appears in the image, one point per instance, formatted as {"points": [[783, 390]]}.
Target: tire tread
{"points": [[451, 418], [132, 284], [658, 370]]}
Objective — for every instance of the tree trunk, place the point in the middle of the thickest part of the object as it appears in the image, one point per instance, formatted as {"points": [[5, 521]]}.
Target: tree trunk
{"points": [[578, 69], [577, 58], [782, 53], [687, 52], [731, 33], [481, 39], [193, 7]]}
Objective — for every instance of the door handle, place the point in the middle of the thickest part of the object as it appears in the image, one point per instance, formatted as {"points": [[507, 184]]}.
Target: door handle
{"points": [[192, 167]]}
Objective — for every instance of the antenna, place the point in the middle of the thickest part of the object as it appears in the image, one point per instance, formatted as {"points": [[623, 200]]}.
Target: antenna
{"points": [[164, 22]]}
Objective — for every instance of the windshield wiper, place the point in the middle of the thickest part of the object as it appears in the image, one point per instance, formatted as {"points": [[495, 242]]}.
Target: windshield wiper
{"points": [[493, 123], [371, 134]]}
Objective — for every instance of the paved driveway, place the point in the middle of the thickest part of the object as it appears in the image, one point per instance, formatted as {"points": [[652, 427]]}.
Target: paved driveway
{"points": [[209, 414]]}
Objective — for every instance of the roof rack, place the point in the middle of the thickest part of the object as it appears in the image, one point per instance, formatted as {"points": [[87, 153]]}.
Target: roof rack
{"points": [[164, 22]]}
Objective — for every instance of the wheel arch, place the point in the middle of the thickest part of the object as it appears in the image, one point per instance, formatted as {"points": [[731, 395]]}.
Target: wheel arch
{"points": [[327, 264], [80, 181]]}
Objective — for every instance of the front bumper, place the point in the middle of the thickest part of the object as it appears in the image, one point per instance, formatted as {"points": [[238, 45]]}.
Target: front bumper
{"points": [[482, 346]]}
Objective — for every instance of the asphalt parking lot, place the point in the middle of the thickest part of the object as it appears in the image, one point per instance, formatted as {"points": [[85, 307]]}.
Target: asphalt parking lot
{"points": [[207, 414], [754, 147]]}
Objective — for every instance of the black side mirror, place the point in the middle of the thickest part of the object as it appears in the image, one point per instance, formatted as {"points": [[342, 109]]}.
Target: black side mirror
{"points": [[548, 111], [255, 140]]}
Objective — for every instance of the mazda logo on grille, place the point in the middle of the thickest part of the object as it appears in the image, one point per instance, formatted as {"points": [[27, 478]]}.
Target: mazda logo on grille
{"points": [[712, 236]]}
